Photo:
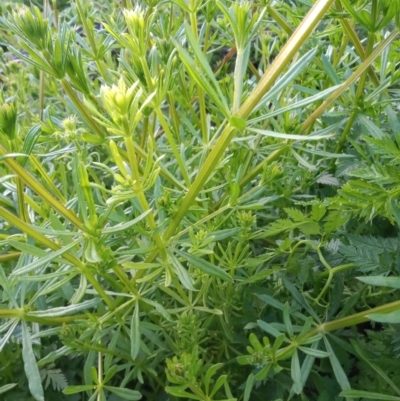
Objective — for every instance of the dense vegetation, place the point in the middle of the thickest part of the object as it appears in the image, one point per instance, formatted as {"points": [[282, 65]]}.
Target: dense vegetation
{"points": [[200, 200]]}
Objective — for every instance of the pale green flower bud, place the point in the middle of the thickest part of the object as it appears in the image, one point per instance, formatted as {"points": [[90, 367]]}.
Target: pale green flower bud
{"points": [[137, 28], [117, 99], [31, 25], [69, 123], [8, 120]]}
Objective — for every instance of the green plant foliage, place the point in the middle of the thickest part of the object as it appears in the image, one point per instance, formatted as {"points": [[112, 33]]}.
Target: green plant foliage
{"points": [[199, 200]]}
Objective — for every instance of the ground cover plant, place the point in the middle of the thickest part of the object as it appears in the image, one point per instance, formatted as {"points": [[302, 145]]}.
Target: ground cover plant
{"points": [[200, 200]]}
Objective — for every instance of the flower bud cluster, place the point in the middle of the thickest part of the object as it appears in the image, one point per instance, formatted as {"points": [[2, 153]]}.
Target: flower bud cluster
{"points": [[8, 120]]}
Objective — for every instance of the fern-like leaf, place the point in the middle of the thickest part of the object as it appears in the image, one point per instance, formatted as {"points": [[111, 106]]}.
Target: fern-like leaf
{"points": [[54, 377]]}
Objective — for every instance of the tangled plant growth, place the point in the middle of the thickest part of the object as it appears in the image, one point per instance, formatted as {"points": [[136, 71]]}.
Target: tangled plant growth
{"points": [[200, 200]]}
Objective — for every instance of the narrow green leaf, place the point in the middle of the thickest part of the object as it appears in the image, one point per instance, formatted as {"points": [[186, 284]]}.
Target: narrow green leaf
{"points": [[268, 328], [46, 277], [80, 291], [392, 317], [140, 265], [183, 274], [125, 393], [4, 339], [205, 266], [209, 374], [66, 310], [180, 392], [296, 373], [30, 365], [124, 226], [287, 321], [135, 332], [111, 372], [295, 105], [159, 308], [42, 261], [314, 352], [218, 384], [54, 355], [7, 387], [337, 367], [368, 395], [283, 82], [224, 234], [324, 134], [78, 389], [299, 298], [5, 284], [249, 387], [90, 361], [374, 130], [30, 140], [204, 64], [12, 156], [197, 75], [391, 282]]}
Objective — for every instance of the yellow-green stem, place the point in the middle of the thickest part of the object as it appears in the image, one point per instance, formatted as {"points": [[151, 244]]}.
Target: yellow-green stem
{"points": [[23, 213], [356, 74], [9, 256], [27, 229], [337, 269], [359, 93], [141, 196], [40, 190], [46, 178], [278, 65]]}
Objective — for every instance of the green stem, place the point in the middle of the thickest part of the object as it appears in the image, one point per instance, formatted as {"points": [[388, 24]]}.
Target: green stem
{"points": [[89, 35], [41, 191], [359, 94], [330, 275], [27, 229], [346, 130], [10, 256], [41, 94], [356, 74], [47, 178], [351, 320], [23, 213], [352, 34], [278, 65], [51, 321], [130, 147], [354, 319], [337, 269]]}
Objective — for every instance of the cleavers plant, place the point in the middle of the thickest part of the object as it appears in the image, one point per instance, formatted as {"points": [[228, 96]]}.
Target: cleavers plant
{"points": [[200, 200]]}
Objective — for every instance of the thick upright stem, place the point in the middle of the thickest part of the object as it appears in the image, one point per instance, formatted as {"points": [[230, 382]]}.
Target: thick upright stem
{"points": [[292, 46], [141, 196]]}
